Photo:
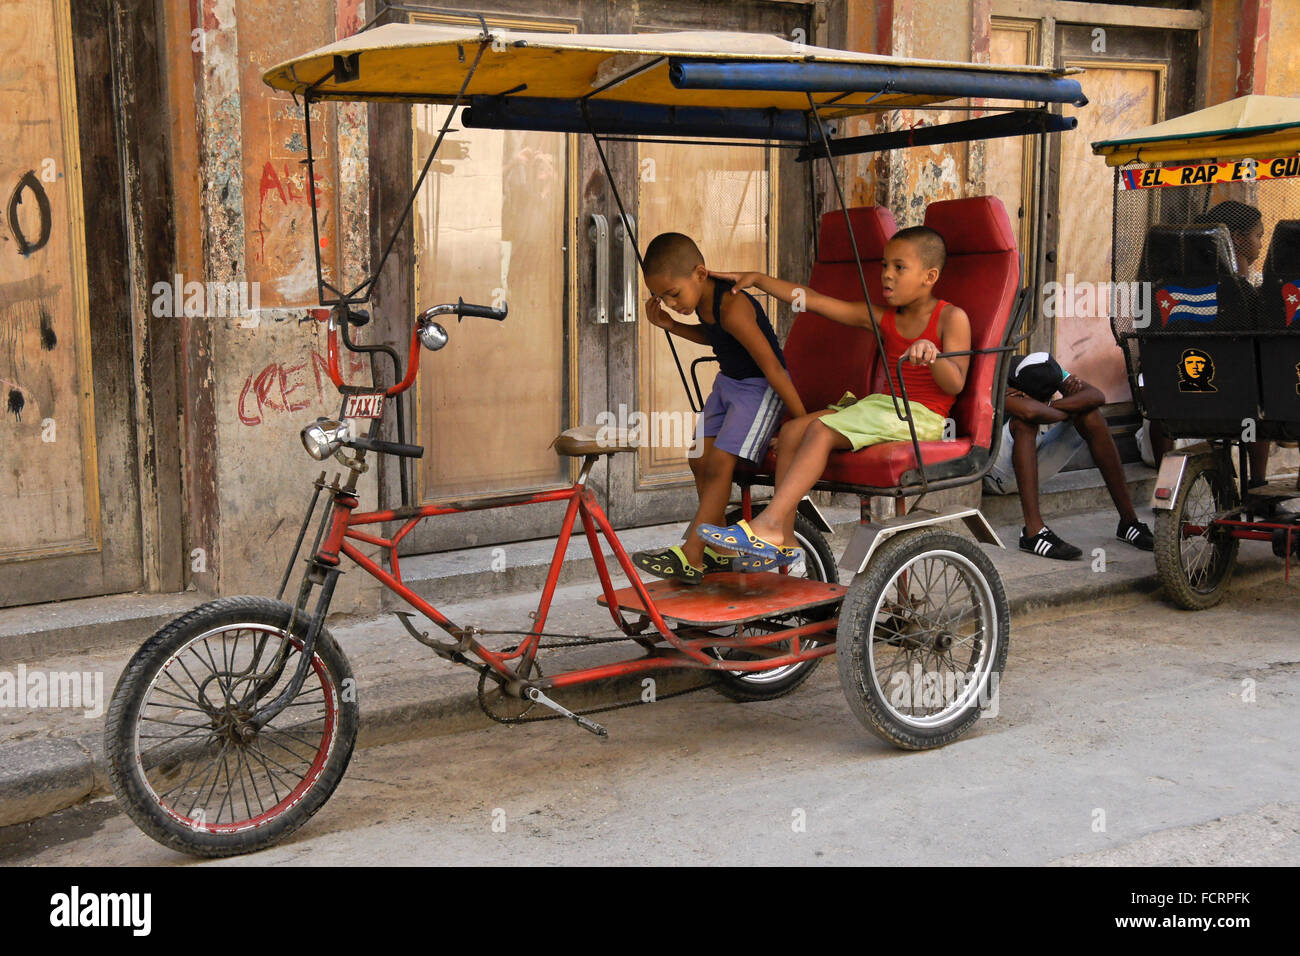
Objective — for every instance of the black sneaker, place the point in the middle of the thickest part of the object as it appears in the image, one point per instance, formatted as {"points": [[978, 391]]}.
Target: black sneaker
{"points": [[1047, 545], [1137, 534]]}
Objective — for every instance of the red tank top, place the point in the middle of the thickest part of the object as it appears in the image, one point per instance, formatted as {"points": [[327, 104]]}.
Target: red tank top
{"points": [[921, 386]]}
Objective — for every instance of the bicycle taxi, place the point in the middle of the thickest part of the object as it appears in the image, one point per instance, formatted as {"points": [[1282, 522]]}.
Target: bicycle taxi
{"points": [[231, 726], [1216, 356]]}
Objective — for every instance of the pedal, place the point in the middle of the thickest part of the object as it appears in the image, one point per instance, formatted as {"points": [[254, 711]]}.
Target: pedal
{"points": [[590, 725]]}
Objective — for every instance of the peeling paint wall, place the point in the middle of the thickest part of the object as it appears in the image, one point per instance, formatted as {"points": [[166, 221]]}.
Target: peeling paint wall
{"points": [[267, 363]]}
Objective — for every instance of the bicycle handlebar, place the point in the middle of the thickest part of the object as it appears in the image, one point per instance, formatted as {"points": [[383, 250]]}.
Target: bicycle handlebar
{"points": [[460, 308], [387, 447]]}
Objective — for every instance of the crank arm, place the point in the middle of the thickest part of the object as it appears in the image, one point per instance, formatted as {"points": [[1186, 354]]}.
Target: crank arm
{"points": [[536, 695]]}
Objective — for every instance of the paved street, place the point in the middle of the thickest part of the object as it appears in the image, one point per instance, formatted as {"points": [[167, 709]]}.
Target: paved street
{"points": [[1132, 718]]}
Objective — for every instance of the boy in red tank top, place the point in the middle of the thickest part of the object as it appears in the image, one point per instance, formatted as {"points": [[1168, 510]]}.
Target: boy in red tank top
{"points": [[913, 323]]}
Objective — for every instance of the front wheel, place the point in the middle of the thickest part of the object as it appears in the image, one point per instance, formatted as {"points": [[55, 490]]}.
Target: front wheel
{"points": [[182, 758], [923, 638], [817, 564], [1194, 557]]}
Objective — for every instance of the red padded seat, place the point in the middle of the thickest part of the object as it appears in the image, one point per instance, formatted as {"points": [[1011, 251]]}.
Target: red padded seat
{"points": [[981, 276]]}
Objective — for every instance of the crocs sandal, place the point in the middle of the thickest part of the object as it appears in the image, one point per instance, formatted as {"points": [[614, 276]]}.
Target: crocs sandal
{"points": [[752, 562], [714, 562], [669, 563], [740, 537]]}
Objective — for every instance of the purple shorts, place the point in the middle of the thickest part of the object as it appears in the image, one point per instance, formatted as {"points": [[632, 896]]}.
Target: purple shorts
{"points": [[740, 415]]}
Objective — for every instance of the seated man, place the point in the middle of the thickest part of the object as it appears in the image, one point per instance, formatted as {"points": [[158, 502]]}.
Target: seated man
{"points": [[1028, 452]]}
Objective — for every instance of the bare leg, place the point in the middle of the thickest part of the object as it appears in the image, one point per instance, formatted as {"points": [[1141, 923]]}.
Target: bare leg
{"points": [[713, 480], [1024, 461], [1092, 426], [776, 523], [789, 439], [1258, 451], [1160, 445]]}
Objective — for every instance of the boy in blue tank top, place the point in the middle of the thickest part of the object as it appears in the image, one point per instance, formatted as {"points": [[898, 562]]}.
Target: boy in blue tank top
{"points": [[750, 393]]}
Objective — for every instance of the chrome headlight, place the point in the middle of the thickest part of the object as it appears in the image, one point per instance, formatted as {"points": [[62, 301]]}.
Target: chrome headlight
{"points": [[324, 437]]}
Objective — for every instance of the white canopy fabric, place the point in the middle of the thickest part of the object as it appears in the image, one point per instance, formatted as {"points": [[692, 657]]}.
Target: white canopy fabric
{"points": [[1253, 125], [428, 63]]}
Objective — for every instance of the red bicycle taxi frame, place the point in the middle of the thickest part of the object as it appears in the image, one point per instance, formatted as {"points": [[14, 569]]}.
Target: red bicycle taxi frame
{"points": [[688, 653]]}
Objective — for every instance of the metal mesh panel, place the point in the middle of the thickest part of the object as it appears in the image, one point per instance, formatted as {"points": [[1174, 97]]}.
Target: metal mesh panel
{"points": [[1205, 285]]}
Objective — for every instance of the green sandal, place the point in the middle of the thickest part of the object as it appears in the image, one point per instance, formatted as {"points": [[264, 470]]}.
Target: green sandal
{"points": [[669, 563]]}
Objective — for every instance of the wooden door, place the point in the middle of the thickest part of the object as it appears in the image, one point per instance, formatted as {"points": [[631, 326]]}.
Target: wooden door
{"points": [[70, 493]]}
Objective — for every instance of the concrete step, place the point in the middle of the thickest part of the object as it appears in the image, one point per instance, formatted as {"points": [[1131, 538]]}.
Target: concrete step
{"points": [[1074, 492]]}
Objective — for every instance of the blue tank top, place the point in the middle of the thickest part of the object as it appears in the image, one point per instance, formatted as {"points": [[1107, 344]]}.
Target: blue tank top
{"points": [[734, 359]]}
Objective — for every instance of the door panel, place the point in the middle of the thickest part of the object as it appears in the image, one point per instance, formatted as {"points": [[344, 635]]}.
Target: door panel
{"points": [[70, 494], [723, 198], [486, 226]]}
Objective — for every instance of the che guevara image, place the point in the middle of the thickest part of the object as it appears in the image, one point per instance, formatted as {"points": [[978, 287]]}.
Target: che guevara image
{"points": [[1196, 371]]}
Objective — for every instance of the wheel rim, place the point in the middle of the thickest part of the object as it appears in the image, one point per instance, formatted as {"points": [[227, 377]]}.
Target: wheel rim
{"points": [[809, 566], [189, 752], [1202, 554], [932, 639]]}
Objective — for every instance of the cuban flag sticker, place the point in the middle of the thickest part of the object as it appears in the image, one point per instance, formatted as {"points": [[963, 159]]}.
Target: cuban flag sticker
{"points": [[1195, 305], [1290, 299]]}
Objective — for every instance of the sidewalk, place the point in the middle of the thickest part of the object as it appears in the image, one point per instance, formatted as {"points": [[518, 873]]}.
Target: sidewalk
{"points": [[53, 758]]}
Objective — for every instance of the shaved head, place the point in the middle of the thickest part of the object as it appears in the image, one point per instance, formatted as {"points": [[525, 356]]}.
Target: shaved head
{"points": [[672, 254], [930, 247]]}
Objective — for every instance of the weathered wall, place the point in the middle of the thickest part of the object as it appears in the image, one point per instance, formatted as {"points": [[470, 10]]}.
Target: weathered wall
{"points": [[267, 373]]}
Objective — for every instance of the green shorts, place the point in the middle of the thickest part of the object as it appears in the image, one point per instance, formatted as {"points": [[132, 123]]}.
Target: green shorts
{"points": [[872, 420]]}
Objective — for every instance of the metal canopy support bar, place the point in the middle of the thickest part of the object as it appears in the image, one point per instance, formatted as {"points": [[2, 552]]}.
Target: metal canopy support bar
{"points": [[872, 78], [986, 127], [611, 116]]}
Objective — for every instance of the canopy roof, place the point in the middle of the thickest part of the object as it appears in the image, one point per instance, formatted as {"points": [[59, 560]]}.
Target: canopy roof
{"points": [[710, 70], [1253, 125]]}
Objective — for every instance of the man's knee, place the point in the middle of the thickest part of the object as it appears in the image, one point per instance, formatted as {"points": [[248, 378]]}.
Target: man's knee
{"points": [[1021, 429], [1091, 424]]}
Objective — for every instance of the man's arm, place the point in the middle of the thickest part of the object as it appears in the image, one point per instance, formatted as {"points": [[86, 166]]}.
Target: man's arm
{"points": [[1021, 406], [661, 319], [838, 310], [739, 319], [1078, 397]]}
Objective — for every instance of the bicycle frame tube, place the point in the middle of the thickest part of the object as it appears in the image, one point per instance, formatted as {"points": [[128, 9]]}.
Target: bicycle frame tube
{"points": [[345, 533]]}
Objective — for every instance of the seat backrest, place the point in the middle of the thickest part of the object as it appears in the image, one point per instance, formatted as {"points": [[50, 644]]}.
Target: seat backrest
{"points": [[825, 358], [1280, 290], [1194, 282], [981, 276]]}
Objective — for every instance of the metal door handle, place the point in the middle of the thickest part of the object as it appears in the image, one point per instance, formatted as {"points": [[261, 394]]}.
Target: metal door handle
{"points": [[631, 270], [598, 232]]}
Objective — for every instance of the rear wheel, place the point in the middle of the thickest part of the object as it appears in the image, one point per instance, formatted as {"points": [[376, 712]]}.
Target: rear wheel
{"points": [[1194, 558], [817, 564], [183, 760], [923, 638]]}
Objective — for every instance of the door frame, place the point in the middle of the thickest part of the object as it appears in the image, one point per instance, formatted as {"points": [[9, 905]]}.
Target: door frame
{"points": [[116, 59]]}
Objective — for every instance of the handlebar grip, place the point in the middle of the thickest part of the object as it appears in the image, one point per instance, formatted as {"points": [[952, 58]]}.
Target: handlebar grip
{"points": [[464, 308], [387, 447]]}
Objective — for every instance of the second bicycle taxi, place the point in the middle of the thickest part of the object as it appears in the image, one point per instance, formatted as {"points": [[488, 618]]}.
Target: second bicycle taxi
{"points": [[1214, 357]]}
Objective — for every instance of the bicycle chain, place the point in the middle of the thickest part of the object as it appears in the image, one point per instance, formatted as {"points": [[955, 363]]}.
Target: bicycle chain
{"points": [[575, 641]]}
